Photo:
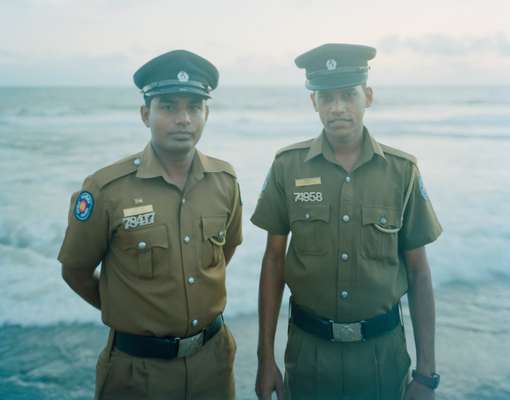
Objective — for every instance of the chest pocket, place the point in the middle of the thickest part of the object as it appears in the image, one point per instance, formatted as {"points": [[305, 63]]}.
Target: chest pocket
{"points": [[146, 250], [213, 239], [310, 229], [379, 233]]}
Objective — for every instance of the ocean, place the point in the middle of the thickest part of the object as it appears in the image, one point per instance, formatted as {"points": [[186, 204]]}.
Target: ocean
{"points": [[52, 138]]}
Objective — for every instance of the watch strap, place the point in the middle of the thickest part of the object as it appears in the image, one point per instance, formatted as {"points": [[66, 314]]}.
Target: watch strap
{"points": [[431, 381]]}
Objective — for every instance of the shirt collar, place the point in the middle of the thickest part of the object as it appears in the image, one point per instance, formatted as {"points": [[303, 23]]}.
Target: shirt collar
{"points": [[320, 145], [150, 166]]}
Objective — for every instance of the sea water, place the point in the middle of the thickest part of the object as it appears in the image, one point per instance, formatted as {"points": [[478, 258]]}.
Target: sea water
{"points": [[52, 138]]}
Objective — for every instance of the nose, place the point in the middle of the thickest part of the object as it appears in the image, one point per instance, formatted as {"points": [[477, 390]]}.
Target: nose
{"points": [[338, 106], [182, 118]]}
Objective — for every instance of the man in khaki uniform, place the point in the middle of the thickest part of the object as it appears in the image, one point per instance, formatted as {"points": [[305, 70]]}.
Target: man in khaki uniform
{"points": [[164, 224], [359, 219]]}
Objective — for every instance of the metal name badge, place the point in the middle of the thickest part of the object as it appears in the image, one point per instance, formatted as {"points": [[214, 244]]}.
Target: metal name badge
{"points": [[308, 181], [308, 197], [138, 220]]}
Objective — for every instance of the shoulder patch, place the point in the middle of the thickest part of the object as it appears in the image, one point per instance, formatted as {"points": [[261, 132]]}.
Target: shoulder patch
{"points": [[117, 170], [296, 146], [83, 206], [212, 164], [398, 153]]}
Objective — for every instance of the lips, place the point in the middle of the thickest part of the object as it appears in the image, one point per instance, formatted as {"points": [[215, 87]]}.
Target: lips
{"points": [[181, 135], [340, 121]]}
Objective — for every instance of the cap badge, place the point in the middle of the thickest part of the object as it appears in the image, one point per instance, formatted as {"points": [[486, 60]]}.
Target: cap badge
{"points": [[183, 76], [331, 64]]}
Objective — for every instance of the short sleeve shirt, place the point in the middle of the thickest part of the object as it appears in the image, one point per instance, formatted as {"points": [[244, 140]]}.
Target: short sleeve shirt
{"points": [[161, 249], [348, 231]]}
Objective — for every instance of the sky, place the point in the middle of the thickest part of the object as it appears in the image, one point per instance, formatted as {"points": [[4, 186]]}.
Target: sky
{"points": [[101, 43]]}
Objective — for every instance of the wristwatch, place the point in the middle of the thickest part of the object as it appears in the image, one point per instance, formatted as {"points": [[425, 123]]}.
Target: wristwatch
{"points": [[431, 381]]}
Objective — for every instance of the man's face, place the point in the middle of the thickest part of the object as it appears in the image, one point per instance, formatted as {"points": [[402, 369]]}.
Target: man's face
{"points": [[176, 121], [341, 110]]}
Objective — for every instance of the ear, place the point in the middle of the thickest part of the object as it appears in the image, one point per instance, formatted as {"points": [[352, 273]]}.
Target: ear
{"points": [[313, 97], [144, 114], [369, 95], [206, 111]]}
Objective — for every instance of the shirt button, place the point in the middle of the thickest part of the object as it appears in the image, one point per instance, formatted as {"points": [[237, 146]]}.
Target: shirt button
{"points": [[346, 218], [194, 322], [137, 162], [191, 280], [348, 179], [345, 256], [383, 220], [142, 245], [187, 239], [183, 200], [307, 216], [344, 294]]}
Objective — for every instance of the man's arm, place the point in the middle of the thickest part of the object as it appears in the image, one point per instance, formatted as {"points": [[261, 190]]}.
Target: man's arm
{"points": [[84, 282], [228, 252], [269, 377], [422, 309]]}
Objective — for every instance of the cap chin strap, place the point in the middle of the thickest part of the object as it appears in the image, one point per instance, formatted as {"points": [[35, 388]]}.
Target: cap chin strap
{"points": [[339, 70], [173, 82]]}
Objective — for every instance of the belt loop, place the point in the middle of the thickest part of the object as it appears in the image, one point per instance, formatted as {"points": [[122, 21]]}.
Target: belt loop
{"points": [[401, 312], [331, 333]]}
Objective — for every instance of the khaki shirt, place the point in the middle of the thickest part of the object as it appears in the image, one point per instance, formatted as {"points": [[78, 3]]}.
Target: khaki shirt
{"points": [[349, 232], [161, 249]]}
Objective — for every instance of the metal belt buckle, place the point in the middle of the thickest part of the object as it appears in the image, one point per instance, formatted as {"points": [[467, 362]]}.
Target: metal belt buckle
{"points": [[190, 345], [347, 332]]}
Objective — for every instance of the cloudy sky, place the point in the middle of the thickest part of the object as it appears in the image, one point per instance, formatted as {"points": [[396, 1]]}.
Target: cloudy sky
{"points": [[100, 42]]}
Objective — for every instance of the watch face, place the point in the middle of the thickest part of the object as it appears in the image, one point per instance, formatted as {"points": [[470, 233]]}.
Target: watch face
{"points": [[435, 380]]}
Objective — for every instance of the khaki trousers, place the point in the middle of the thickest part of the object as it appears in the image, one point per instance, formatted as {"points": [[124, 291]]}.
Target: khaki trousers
{"points": [[377, 369], [208, 374]]}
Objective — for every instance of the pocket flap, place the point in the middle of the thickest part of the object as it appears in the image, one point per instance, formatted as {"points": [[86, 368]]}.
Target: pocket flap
{"points": [[213, 229], [155, 236], [311, 213], [384, 217]]}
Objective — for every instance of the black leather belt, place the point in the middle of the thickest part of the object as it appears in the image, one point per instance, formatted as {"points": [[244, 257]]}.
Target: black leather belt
{"points": [[166, 347], [344, 332]]}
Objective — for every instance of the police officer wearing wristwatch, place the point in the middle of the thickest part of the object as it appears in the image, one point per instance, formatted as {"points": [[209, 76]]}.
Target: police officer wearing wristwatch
{"points": [[431, 381]]}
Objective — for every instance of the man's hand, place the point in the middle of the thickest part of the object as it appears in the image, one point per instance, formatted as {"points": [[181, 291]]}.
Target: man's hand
{"points": [[269, 380], [417, 391]]}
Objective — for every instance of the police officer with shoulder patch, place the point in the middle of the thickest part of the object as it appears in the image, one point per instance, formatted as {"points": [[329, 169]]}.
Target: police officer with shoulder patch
{"points": [[359, 219], [164, 223]]}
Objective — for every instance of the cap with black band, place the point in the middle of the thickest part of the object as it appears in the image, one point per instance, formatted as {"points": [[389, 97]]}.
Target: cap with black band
{"points": [[178, 71], [336, 65]]}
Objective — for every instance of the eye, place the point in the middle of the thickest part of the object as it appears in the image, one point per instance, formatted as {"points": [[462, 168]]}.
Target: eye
{"points": [[168, 107], [326, 98]]}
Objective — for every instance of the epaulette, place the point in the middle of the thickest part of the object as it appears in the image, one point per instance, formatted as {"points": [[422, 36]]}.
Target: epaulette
{"points": [[212, 164], [398, 153], [296, 146], [117, 170]]}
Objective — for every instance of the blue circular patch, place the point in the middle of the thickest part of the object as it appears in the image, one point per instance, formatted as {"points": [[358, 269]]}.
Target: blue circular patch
{"points": [[423, 192], [83, 206]]}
